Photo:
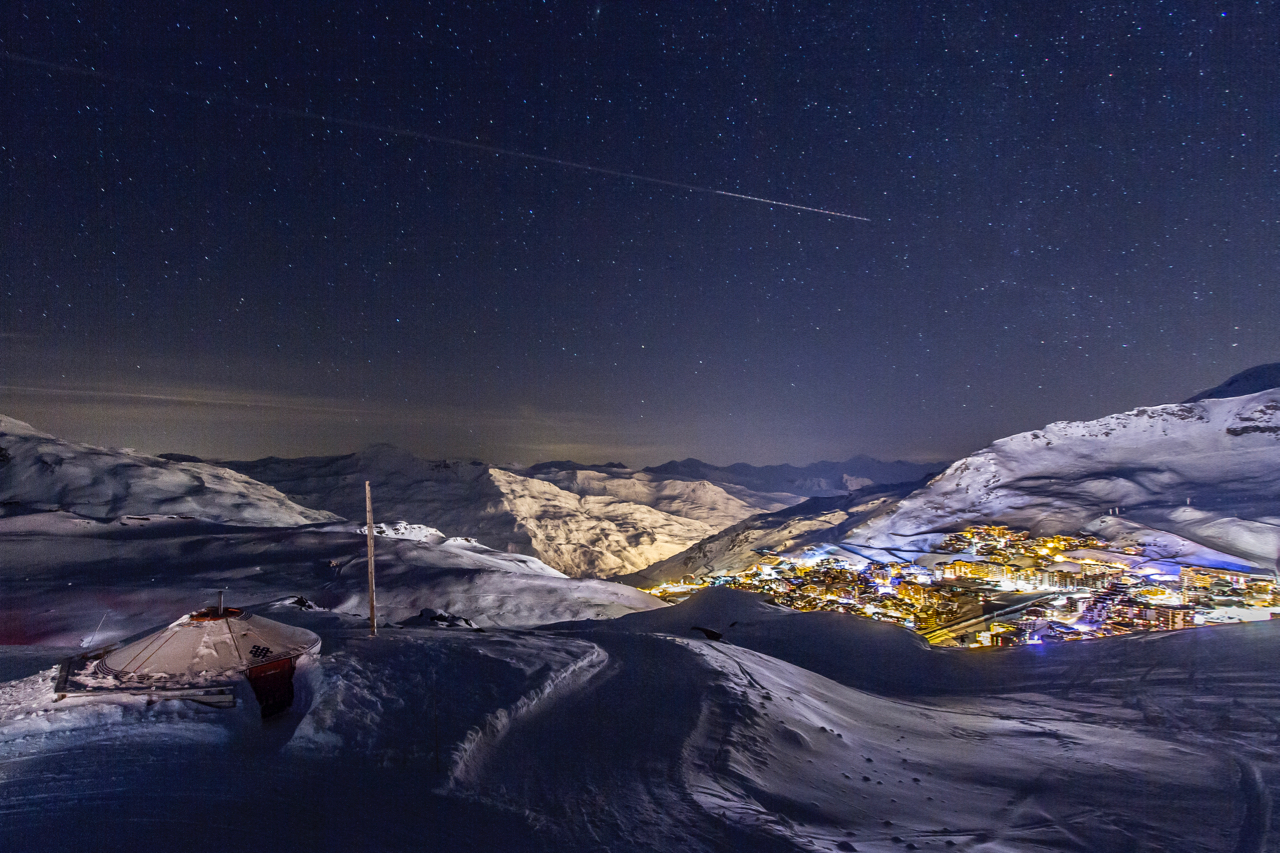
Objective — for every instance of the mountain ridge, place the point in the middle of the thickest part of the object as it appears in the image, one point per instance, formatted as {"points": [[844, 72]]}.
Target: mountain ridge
{"points": [[817, 479], [585, 520]]}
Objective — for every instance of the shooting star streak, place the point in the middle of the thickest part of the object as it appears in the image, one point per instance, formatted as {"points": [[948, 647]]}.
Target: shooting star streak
{"points": [[413, 134]]}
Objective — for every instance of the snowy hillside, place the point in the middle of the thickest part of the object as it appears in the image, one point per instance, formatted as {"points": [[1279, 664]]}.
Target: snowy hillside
{"points": [[718, 503], [600, 534], [68, 579], [1202, 473], [583, 520], [39, 472], [1206, 471], [458, 497]]}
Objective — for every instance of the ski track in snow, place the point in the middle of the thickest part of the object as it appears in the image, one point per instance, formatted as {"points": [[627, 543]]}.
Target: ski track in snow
{"points": [[482, 740], [617, 764]]}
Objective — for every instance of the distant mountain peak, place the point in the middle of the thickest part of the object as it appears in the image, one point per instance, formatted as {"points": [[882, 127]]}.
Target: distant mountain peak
{"points": [[569, 465], [815, 479], [1264, 377]]}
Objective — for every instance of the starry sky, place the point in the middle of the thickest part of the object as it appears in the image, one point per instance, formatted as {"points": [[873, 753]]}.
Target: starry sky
{"points": [[234, 232]]}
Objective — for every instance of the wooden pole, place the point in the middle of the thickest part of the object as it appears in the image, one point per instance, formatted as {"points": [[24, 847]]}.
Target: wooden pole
{"points": [[373, 606]]}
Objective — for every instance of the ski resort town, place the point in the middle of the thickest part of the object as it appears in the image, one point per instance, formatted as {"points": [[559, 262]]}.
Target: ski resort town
{"points": [[993, 586]]}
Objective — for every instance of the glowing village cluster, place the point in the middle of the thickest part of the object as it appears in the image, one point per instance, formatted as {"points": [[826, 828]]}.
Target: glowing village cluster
{"points": [[993, 586]]}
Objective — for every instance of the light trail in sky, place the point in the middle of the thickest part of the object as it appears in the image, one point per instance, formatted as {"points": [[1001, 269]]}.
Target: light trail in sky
{"points": [[413, 134]]}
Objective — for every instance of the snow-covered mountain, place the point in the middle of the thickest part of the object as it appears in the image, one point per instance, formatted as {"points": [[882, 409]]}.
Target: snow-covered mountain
{"points": [[584, 520], [503, 706], [1207, 471], [1204, 474], [39, 472]]}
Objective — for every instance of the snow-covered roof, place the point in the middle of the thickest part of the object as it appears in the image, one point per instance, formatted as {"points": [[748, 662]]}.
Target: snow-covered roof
{"points": [[206, 644]]}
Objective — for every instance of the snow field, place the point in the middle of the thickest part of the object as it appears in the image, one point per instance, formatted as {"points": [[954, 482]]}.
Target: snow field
{"points": [[818, 764]]}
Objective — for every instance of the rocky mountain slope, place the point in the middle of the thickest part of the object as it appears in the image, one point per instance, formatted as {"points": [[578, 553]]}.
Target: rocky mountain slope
{"points": [[816, 521]]}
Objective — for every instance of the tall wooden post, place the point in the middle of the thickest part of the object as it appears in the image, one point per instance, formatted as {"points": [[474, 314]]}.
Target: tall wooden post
{"points": [[373, 606]]}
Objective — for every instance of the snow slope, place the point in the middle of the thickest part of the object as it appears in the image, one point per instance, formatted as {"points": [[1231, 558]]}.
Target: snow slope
{"points": [[72, 581], [638, 734], [716, 503], [39, 472], [596, 534], [1205, 471]]}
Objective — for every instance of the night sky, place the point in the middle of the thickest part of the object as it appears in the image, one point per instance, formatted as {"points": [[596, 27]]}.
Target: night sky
{"points": [[236, 233]]}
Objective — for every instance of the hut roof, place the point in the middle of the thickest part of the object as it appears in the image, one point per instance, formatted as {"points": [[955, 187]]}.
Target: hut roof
{"points": [[208, 645]]}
